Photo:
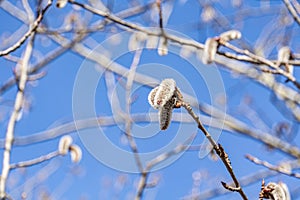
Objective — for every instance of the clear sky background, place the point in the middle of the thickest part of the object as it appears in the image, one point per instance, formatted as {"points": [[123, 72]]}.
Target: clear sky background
{"points": [[50, 104]]}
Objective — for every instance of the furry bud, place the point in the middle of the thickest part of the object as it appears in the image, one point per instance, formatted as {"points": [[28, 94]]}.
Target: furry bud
{"points": [[61, 3], [162, 93], [275, 191], [210, 50], [64, 144], [230, 35], [165, 98], [284, 55], [76, 153]]}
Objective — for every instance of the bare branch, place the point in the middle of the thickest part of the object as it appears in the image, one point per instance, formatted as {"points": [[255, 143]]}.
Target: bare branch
{"points": [[128, 121], [292, 10], [35, 161], [218, 149], [283, 169], [31, 30]]}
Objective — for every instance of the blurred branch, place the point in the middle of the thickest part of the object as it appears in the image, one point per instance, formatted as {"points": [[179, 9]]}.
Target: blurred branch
{"points": [[261, 60], [292, 10], [35, 161], [230, 124], [14, 116], [62, 49], [128, 121], [160, 158], [283, 169], [282, 91], [39, 176]]}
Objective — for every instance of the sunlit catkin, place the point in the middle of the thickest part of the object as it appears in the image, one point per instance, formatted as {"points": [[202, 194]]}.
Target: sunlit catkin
{"points": [[283, 57], [165, 113], [165, 98], [210, 50], [64, 144], [61, 3], [230, 35], [275, 191], [162, 93], [76, 153]]}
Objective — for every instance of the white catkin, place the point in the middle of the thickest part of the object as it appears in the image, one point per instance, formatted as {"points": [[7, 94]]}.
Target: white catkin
{"points": [[76, 153], [151, 97], [165, 114], [286, 190], [164, 93], [165, 98], [284, 55], [276, 192], [230, 35], [210, 50], [64, 144], [61, 3]]}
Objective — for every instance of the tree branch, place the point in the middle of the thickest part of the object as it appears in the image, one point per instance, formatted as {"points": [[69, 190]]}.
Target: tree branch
{"points": [[31, 30], [218, 149], [14, 117]]}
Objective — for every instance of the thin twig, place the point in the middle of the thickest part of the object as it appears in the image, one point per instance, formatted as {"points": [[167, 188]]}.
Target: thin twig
{"points": [[278, 168], [181, 41], [60, 50], [128, 121], [35, 161], [292, 10], [260, 60], [160, 158], [158, 3], [218, 149], [29, 32]]}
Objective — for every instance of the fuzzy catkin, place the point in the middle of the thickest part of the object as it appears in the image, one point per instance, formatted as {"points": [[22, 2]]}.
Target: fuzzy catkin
{"points": [[210, 50], [230, 35]]}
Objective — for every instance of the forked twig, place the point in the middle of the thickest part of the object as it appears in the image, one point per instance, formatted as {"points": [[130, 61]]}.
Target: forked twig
{"points": [[28, 33], [219, 150]]}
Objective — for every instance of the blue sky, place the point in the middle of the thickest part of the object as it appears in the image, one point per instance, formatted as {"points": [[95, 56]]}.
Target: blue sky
{"points": [[51, 104]]}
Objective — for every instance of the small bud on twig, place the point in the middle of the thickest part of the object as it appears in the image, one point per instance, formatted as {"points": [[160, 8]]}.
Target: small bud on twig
{"points": [[284, 55], [230, 35], [64, 144], [210, 50], [76, 153], [61, 3]]}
